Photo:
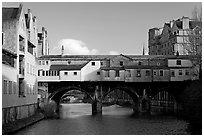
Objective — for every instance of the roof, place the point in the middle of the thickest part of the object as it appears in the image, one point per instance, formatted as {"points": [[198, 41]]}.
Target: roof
{"points": [[112, 68], [105, 57], [11, 13], [146, 67], [67, 67]]}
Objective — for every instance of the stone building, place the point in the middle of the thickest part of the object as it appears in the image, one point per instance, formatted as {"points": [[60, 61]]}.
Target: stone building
{"points": [[19, 64], [182, 36], [43, 43]]}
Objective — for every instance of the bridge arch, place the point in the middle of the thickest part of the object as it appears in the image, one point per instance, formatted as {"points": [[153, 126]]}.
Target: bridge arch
{"points": [[57, 95], [128, 90]]}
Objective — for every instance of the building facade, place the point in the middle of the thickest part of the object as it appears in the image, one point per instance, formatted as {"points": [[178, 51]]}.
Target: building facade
{"points": [[19, 64], [43, 43], [182, 36], [121, 68]]}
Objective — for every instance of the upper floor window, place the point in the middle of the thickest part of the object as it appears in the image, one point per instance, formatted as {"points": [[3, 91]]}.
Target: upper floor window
{"points": [[93, 63], [101, 63], [107, 73], [121, 63], [65, 73], [117, 73], [38, 72], [172, 73], [178, 62], [161, 73], [138, 73], [180, 72], [30, 47], [98, 73], [155, 73], [128, 73], [75, 73], [187, 72], [5, 87], [147, 72], [43, 73], [46, 62], [39, 62], [139, 63], [8, 59]]}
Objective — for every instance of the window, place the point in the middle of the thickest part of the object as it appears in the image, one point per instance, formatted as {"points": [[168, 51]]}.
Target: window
{"points": [[161, 73], [46, 62], [101, 63], [107, 73], [117, 73], [138, 73], [180, 72], [98, 73], [93, 63], [65, 73], [8, 58], [47, 73], [178, 62], [38, 72], [75, 73], [187, 72], [69, 62], [30, 47], [14, 87], [147, 72], [39, 62], [55, 73], [121, 63], [155, 73], [128, 73], [139, 63], [10, 87], [58, 73], [3, 38], [172, 73], [43, 62], [43, 73], [5, 87]]}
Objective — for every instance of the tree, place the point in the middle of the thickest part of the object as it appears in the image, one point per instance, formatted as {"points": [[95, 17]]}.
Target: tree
{"points": [[197, 14]]}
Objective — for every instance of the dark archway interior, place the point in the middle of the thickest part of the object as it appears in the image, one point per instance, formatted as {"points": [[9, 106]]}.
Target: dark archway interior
{"points": [[130, 92], [58, 95]]}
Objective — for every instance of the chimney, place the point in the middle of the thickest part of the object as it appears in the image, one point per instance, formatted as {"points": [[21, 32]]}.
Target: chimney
{"points": [[185, 22], [62, 54]]}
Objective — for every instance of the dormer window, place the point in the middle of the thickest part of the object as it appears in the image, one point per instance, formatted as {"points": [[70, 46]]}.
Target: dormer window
{"points": [[178, 62]]}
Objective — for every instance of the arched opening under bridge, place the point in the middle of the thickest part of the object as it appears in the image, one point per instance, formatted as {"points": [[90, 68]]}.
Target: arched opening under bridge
{"points": [[120, 101], [72, 101]]}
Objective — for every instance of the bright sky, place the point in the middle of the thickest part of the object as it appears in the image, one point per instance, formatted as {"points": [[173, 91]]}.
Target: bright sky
{"points": [[103, 28]]}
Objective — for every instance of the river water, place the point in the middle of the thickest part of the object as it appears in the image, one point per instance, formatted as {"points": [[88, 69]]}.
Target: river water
{"points": [[76, 119]]}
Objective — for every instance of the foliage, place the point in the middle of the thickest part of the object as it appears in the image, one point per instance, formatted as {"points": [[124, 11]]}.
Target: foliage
{"points": [[192, 106]]}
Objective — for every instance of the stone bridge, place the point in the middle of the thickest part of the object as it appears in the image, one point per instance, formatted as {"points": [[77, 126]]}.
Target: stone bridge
{"points": [[143, 95]]}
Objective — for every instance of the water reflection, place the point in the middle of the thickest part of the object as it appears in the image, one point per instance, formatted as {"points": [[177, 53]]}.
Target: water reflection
{"points": [[77, 119]]}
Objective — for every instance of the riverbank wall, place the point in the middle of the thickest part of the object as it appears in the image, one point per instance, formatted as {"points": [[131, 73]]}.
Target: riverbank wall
{"points": [[12, 127]]}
